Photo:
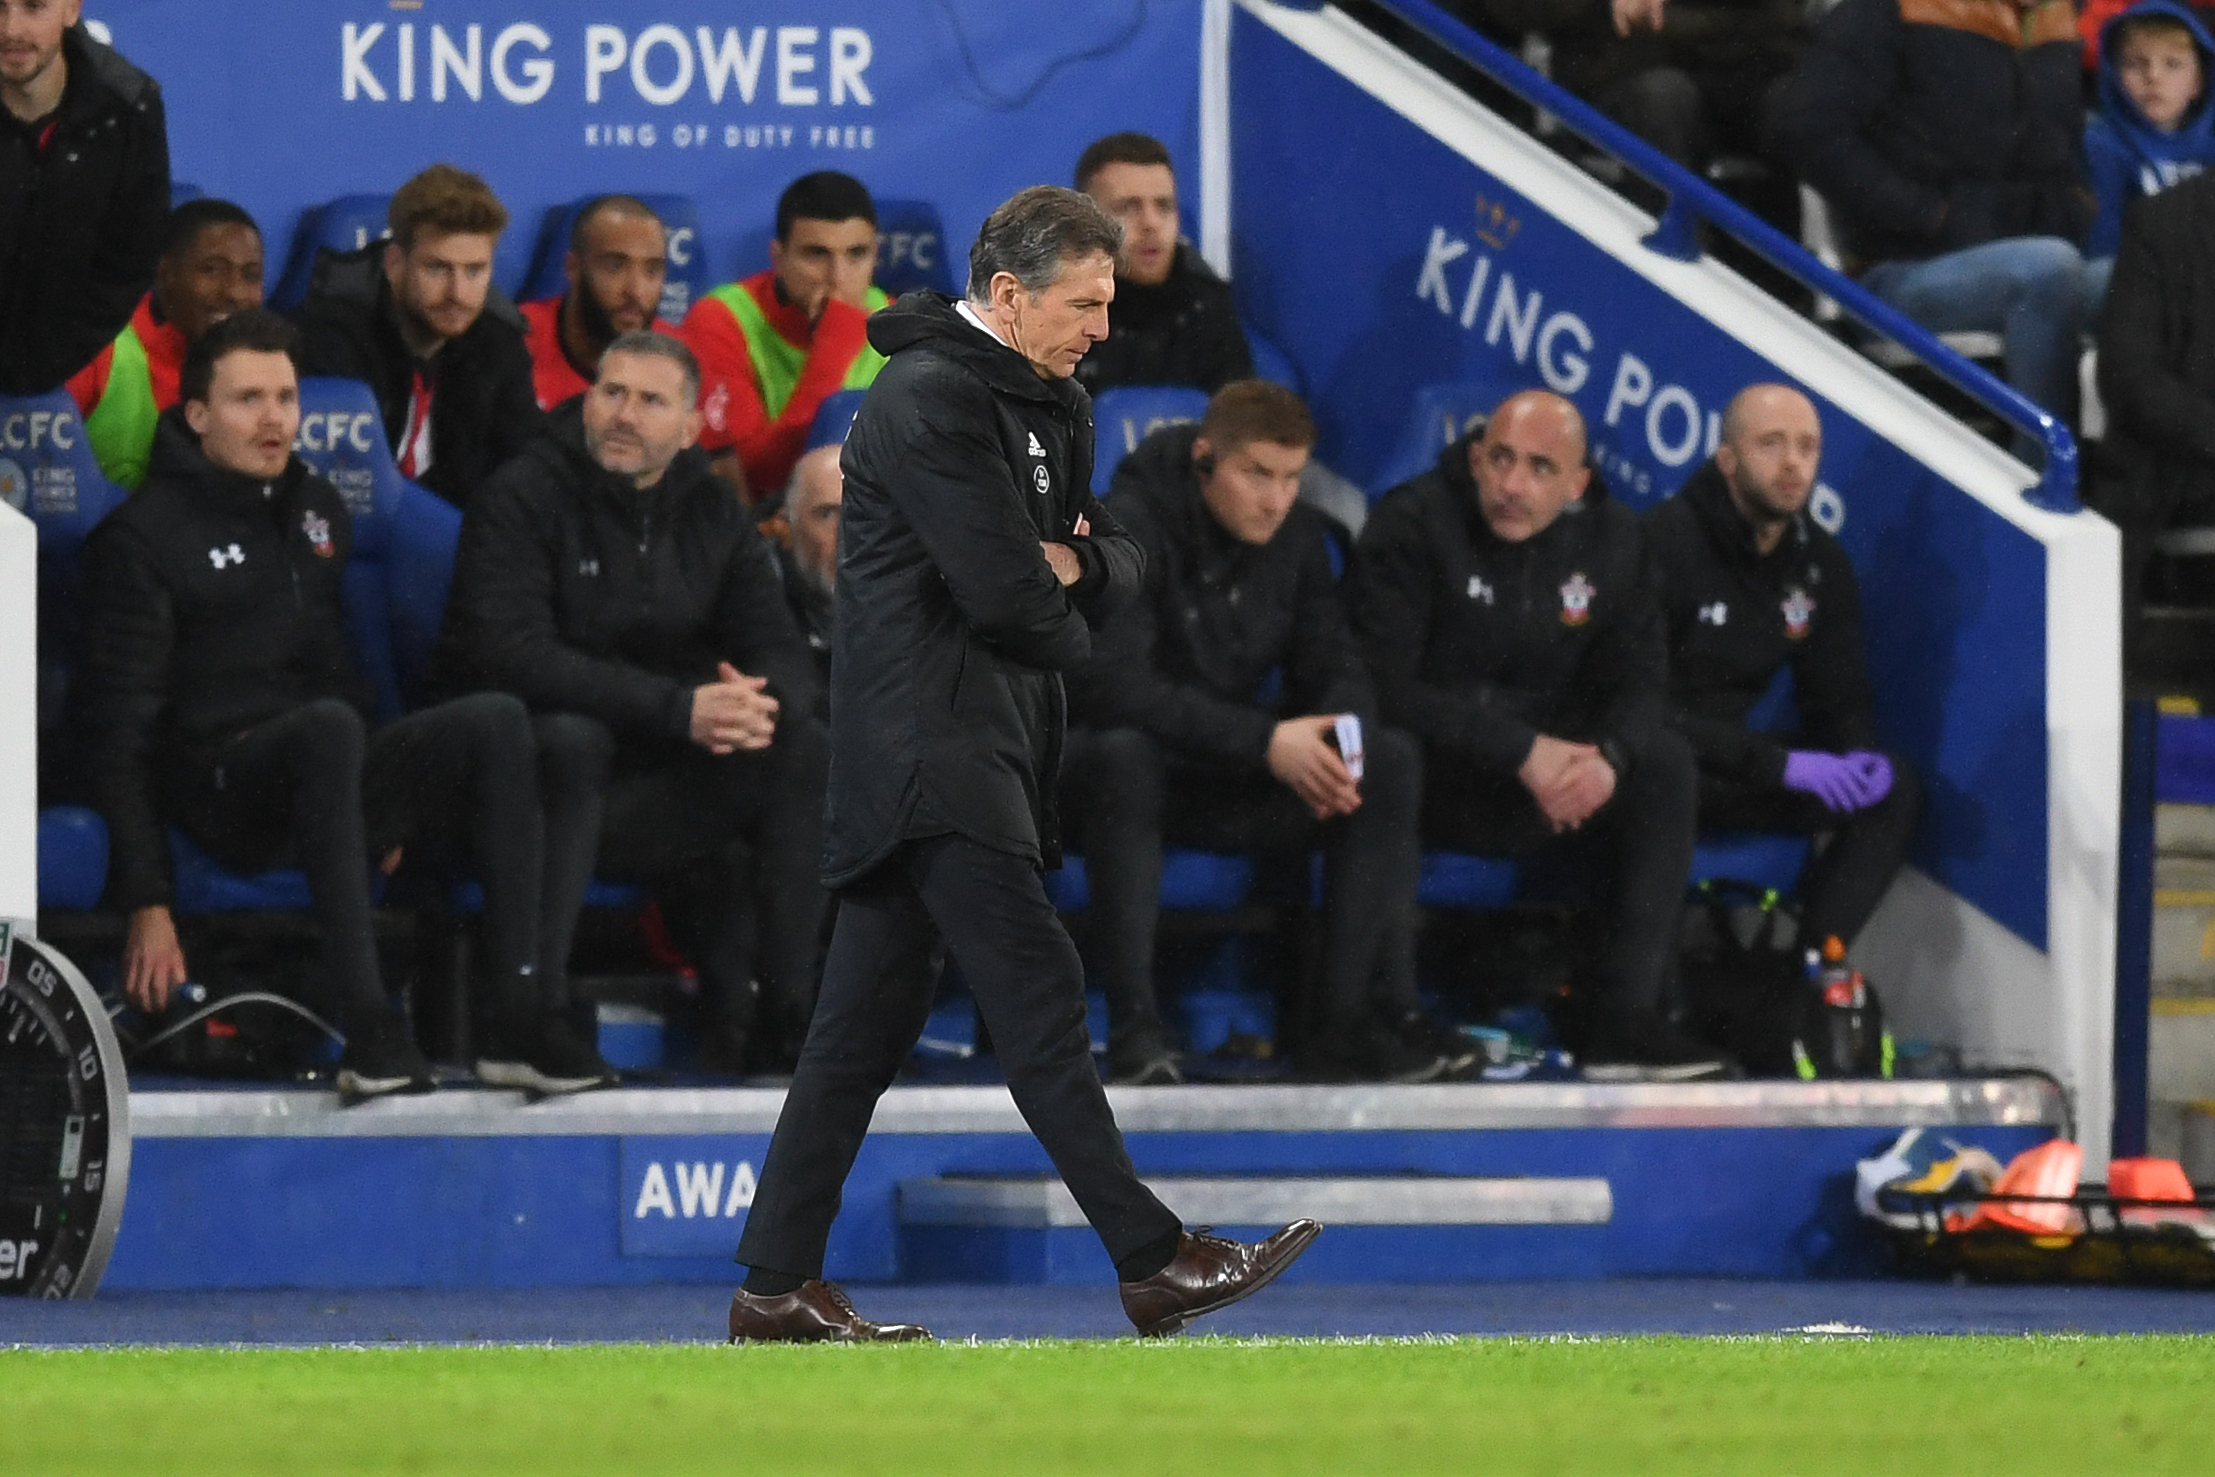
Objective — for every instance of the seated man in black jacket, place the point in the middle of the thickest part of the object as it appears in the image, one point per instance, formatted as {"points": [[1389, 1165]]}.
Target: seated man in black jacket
{"points": [[608, 579], [1508, 613], [219, 696], [1181, 745], [418, 319], [1749, 584]]}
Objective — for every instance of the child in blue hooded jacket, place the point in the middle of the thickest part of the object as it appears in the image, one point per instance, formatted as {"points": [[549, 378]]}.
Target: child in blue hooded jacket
{"points": [[2154, 127]]}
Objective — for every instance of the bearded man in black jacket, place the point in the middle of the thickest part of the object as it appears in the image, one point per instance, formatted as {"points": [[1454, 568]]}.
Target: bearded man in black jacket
{"points": [[219, 696], [610, 581], [1183, 741], [972, 561], [1507, 608], [1749, 585]]}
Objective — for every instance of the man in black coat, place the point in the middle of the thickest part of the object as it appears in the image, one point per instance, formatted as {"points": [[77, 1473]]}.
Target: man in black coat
{"points": [[1507, 608], [1209, 716], [971, 558], [219, 696], [1749, 586], [84, 193], [608, 579], [1947, 137], [417, 318], [1173, 322], [2157, 377]]}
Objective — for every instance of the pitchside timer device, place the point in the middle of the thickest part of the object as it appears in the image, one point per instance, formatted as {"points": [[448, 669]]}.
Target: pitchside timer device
{"points": [[65, 1134]]}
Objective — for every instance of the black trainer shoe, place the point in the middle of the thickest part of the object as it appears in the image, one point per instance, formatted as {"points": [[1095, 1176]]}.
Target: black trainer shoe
{"points": [[381, 1060], [1426, 1032], [1643, 1046], [553, 1060], [1144, 1059], [1369, 1052]]}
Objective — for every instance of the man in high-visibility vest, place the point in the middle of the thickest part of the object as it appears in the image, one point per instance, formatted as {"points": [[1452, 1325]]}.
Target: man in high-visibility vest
{"points": [[211, 267], [773, 347]]}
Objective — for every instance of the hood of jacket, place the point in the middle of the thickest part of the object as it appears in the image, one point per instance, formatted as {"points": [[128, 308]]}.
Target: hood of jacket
{"points": [[925, 317], [1708, 496], [2194, 137], [177, 457], [117, 85], [1161, 475]]}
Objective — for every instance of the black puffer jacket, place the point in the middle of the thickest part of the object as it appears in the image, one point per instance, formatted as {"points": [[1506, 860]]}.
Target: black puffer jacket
{"points": [[579, 593], [81, 218], [484, 408], [947, 710], [212, 605], [2157, 357], [1188, 660], [1478, 645], [1934, 125], [1184, 331], [1735, 616]]}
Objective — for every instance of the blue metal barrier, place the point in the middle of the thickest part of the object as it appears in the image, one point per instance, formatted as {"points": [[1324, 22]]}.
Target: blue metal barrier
{"points": [[1693, 200]]}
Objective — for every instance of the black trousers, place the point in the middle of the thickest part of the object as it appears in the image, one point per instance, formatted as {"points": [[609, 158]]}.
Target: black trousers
{"points": [[1862, 853], [991, 910], [1641, 840], [454, 785], [1127, 798], [733, 840]]}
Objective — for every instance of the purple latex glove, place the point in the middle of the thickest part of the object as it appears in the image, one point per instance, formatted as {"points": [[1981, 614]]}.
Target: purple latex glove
{"points": [[1830, 778], [1872, 775]]}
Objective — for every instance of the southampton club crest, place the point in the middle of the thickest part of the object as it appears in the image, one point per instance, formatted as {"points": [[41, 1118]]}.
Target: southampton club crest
{"points": [[1799, 611], [318, 531], [1576, 600]]}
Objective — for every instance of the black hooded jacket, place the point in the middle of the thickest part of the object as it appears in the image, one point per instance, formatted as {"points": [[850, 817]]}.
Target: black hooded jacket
{"points": [[484, 408], [947, 709], [1735, 616], [1478, 645], [1188, 661], [82, 211], [1184, 331], [581, 593], [212, 605]]}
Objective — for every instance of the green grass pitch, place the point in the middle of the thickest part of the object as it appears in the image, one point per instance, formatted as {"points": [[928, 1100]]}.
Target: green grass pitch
{"points": [[1776, 1406]]}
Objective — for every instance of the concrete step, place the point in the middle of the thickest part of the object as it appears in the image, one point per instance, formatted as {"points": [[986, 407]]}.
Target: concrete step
{"points": [[2180, 1062]]}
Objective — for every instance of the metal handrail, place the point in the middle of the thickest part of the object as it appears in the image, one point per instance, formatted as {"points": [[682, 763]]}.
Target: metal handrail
{"points": [[1693, 200]]}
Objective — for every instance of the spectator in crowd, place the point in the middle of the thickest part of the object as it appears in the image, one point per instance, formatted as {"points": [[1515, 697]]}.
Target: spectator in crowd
{"points": [[773, 347], [2154, 127], [617, 261], [210, 268], [612, 582], [1750, 587], [806, 530], [2093, 17], [1177, 742], [218, 696], [418, 319], [1688, 76], [1172, 321], [1949, 144], [84, 192], [1507, 608], [2157, 377]]}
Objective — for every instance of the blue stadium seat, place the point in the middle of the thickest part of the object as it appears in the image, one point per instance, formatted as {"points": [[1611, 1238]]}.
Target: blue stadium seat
{"points": [[342, 437], [1453, 879], [202, 886], [1191, 881], [2184, 760], [1125, 416], [180, 192], [72, 857], [1272, 363], [1436, 418], [912, 252], [688, 260], [834, 419], [1764, 860], [346, 224]]}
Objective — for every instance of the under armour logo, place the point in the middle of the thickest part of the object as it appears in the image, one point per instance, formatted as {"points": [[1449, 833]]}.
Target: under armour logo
{"points": [[1036, 449], [589, 567], [1479, 590], [1714, 615], [222, 558]]}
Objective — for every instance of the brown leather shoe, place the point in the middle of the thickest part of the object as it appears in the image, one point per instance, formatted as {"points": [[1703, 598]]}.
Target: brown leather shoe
{"points": [[1208, 1273], [817, 1313]]}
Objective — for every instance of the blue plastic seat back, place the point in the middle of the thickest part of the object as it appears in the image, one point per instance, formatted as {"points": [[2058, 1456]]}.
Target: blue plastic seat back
{"points": [[1272, 363], [1191, 881], [1452, 879], [342, 437], [72, 857], [834, 419], [47, 473], [1437, 416], [1763, 860], [911, 251], [180, 192], [346, 224], [688, 262], [419, 573], [1127, 415]]}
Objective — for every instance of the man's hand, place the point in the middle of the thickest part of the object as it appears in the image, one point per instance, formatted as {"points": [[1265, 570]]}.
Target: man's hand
{"points": [[1569, 781], [1063, 561], [1301, 756], [153, 962], [733, 712], [1633, 13]]}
